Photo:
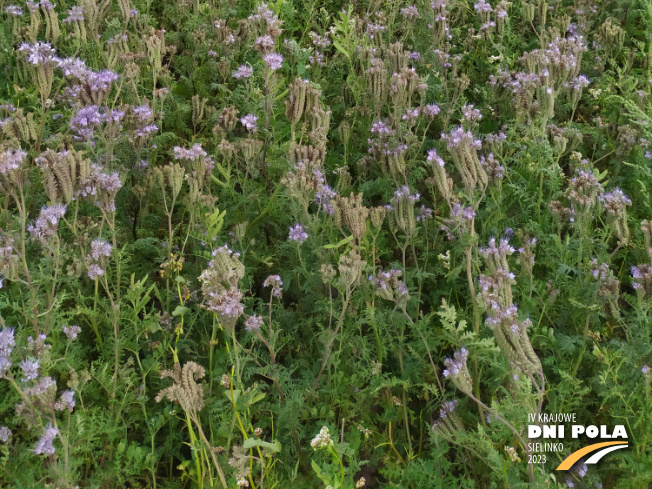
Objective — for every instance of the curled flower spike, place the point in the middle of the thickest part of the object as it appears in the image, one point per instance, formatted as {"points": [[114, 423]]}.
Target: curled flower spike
{"points": [[457, 370]]}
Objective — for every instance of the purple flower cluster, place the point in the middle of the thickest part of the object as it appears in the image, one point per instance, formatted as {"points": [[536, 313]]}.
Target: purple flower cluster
{"points": [[195, 153], [495, 171], [275, 282], [459, 137], [446, 410], [410, 13], [71, 331], [642, 275], [29, 366], [424, 213], [460, 219], [381, 128], [40, 53], [470, 114], [46, 224], [482, 7], [11, 159], [249, 121], [386, 280], [273, 60], [325, 194], [434, 157], [7, 343], [90, 118], [503, 249], [75, 14], [253, 323], [14, 10], [615, 201], [404, 192], [430, 110], [96, 260], [243, 71], [44, 445], [457, 363], [66, 401], [298, 233], [5, 434]]}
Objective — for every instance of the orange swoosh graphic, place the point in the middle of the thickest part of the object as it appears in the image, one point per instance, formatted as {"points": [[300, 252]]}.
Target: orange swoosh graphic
{"points": [[575, 456]]}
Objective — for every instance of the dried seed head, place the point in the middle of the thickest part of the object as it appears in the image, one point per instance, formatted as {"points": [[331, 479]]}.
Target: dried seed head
{"points": [[184, 389], [350, 268]]}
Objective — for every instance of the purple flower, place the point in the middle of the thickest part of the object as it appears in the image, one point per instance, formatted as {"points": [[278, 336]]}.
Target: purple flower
{"points": [[404, 192], [410, 12], [42, 385], [86, 120], [249, 121], [411, 114], [118, 38], [74, 67], [457, 363], [45, 226], [11, 159], [579, 82], [39, 53], [381, 128], [66, 401], [401, 289], [430, 110], [264, 44], [243, 71], [253, 323], [5, 434], [192, 154], [101, 81], [30, 369], [424, 213], [44, 445], [471, 114], [482, 6], [71, 331], [459, 136], [75, 14], [645, 369], [275, 282], [14, 10], [273, 60], [7, 344], [100, 249], [433, 156], [143, 113], [615, 201], [95, 271], [298, 233]]}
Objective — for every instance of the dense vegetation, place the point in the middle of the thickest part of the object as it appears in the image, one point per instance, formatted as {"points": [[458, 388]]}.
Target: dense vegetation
{"points": [[318, 244]]}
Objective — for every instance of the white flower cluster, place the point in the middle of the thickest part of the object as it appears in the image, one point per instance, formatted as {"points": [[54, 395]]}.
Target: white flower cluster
{"points": [[322, 440]]}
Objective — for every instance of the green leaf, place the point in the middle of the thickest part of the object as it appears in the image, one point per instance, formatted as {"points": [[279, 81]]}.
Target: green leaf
{"points": [[274, 446], [179, 311], [341, 243], [341, 49]]}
